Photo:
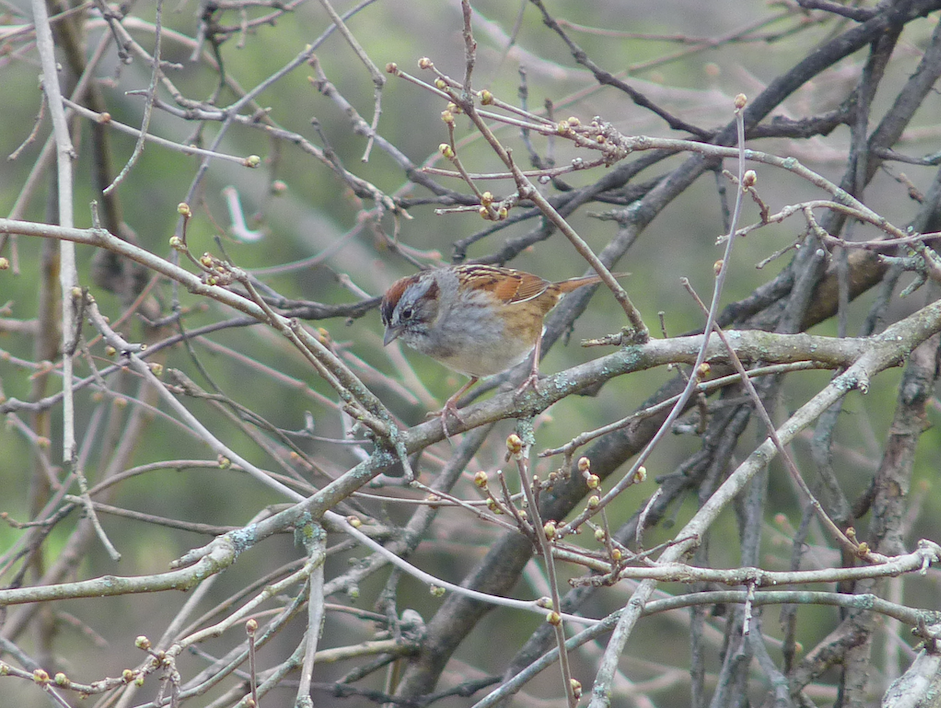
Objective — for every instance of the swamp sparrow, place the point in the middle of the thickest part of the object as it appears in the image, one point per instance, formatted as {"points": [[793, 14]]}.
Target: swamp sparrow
{"points": [[477, 320]]}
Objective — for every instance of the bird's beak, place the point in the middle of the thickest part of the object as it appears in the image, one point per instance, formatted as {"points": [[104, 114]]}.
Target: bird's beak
{"points": [[392, 334]]}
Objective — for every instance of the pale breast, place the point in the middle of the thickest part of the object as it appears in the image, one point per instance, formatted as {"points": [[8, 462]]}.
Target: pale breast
{"points": [[469, 338]]}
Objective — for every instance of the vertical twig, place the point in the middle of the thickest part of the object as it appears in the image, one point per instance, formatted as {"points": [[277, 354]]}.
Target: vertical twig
{"points": [[148, 105], [68, 276], [612, 654], [520, 451], [315, 540], [378, 79]]}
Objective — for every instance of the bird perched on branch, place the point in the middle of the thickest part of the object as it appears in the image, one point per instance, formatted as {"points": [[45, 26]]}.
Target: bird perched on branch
{"points": [[478, 320]]}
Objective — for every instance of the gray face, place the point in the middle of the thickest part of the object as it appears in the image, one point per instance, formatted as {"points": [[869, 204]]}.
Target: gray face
{"points": [[415, 310]]}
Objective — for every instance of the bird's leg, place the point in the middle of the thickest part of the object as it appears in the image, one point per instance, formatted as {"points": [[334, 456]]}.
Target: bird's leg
{"points": [[450, 406], [533, 379]]}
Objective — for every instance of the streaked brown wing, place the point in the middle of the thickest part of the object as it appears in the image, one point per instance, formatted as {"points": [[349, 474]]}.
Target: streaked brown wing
{"points": [[508, 285], [528, 286]]}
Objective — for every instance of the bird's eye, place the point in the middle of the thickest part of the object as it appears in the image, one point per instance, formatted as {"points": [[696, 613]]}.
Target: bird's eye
{"points": [[407, 313]]}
